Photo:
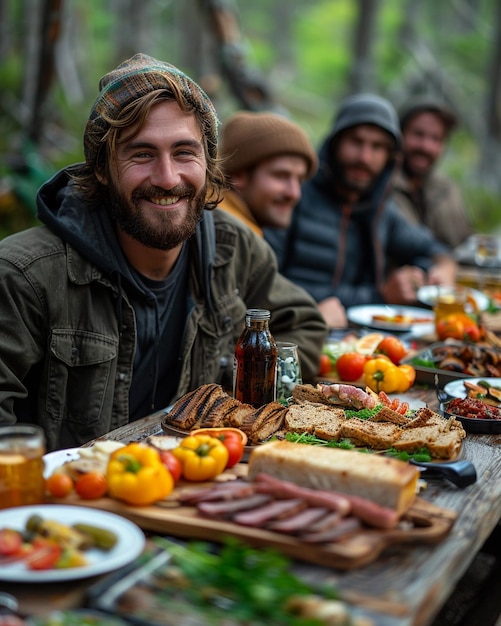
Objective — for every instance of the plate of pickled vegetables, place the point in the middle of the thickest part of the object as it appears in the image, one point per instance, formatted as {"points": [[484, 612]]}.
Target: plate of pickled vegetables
{"points": [[51, 542]]}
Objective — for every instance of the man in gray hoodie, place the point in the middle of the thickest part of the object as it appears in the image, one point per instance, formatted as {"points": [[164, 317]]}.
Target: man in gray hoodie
{"points": [[347, 238]]}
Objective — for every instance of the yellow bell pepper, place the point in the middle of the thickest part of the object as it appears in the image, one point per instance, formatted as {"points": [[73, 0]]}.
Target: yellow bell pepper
{"points": [[202, 457], [136, 475], [380, 374]]}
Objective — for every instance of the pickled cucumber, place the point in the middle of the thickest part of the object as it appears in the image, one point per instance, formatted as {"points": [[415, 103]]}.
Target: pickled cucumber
{"points": [[65, 536], [102, 538]]}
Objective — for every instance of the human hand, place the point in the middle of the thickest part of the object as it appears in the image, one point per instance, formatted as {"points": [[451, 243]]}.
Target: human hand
{"points": [[443, 272], [333, 312], [402, 285]]}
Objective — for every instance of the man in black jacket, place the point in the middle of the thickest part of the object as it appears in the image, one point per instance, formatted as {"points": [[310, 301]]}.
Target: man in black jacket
{"points": [[347, 238]]}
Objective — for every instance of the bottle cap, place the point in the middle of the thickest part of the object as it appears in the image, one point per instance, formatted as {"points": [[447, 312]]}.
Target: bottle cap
{"points": [[258, 314]]}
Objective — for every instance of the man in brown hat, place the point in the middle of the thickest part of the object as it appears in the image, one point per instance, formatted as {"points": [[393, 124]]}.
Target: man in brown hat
{"points": [[422, 194], [134, 291], [266, 158]]}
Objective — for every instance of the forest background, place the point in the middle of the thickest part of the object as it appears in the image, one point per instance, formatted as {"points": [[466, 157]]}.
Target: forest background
{"points": [[298, 57]]}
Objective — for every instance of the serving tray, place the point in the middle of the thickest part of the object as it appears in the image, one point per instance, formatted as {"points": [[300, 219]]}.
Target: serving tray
{"points": [[433, 375], [427, 524]]}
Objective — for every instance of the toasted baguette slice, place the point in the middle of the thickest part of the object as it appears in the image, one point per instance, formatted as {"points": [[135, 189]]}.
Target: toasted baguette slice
{"points": [[388, 482]]}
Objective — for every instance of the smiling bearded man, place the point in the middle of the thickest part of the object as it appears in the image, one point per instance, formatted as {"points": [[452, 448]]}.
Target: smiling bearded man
{"points": [[134, 290]]}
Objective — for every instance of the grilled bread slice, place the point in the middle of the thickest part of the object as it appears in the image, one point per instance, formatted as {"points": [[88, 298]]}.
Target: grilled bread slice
{"points": [[267, 420], [379, 436]]}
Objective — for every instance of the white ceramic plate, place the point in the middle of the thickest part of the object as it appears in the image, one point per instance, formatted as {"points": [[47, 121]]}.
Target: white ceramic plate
{"points": [[129, 546], [363, 316], [456, 388], [428, 295], [55, 459]]}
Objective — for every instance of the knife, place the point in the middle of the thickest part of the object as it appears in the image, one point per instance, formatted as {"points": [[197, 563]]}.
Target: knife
{"points": [[460, 473]]}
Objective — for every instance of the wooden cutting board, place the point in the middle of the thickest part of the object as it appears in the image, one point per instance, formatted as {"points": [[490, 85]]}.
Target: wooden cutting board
{"points": [[430, 524]]}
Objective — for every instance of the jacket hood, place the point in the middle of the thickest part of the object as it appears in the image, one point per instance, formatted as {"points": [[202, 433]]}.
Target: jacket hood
{"points": [[355, 110], [367, 109], [91, 232]]}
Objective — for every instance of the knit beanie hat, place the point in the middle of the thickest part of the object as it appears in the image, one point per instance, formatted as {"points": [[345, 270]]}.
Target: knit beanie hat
{"points": [[137, 77], [249, 137]]}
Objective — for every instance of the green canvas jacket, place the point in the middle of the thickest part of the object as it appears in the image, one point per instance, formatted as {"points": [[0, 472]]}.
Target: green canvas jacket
{"points": [[68, 334]]}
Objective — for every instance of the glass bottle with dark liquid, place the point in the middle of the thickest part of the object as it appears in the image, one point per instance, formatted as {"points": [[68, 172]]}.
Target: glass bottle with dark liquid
{"points": [[255, 366]]}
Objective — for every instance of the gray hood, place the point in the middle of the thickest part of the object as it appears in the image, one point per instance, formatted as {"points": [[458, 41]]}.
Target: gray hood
{"points": [[366, 108]]}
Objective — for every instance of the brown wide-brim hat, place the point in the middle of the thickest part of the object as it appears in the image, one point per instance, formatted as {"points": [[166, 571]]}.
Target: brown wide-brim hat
{"points": [[248, 137], [133, 79]]}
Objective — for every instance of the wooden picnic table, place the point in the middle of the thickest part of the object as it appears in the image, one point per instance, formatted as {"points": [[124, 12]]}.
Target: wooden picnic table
{"points": [[408, 584]]}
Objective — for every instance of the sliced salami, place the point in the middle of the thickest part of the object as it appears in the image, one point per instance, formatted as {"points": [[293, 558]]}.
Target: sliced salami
{"points": [[227, 508], [297, 523], [276, 509]]}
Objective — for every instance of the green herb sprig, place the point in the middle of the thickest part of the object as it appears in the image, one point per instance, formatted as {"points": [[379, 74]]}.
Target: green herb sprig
{"points": [[255, 585]]}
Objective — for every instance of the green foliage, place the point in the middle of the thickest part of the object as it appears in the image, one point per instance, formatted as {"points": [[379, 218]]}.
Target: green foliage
{"points": [[457, 39], [323, 35]]}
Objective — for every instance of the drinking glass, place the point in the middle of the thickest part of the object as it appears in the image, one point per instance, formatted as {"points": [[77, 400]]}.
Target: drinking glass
{"points": [[288, 370], [454, 299], [22, 447], [486, 250]]}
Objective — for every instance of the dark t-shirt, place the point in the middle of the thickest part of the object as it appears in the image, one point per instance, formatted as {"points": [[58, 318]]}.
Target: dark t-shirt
{"points": [[160, 327]]}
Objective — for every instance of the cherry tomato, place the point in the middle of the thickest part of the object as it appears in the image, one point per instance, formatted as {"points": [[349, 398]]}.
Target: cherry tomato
{"points": [[234, 444], [91, 486], [325, 365], [233, 439], [350, 366], [172, 463], [43, 555], [393, 348], [59, 485], [11, 541], [458, 326], [471, 330]]}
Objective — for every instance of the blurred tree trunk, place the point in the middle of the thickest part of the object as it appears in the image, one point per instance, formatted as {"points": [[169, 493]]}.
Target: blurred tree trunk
{"points": [[490, 169], [46, 28], [407, 33], [362, 73], [282, 18], [5, 31], [249, 88], [132, 28]]}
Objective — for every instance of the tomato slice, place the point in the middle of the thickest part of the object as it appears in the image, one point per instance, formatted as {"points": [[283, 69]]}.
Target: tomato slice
{"points": [[11, 542], [44, 555]]}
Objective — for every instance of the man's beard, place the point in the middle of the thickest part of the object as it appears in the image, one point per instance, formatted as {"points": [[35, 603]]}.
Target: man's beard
{"points": [[351, 184], [413, 172], [164, 233]]}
